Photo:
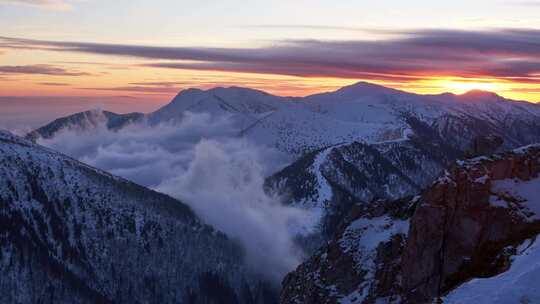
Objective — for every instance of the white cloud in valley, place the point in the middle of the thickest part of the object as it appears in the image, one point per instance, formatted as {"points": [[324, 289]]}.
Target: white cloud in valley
{"points": [[202, 162]]}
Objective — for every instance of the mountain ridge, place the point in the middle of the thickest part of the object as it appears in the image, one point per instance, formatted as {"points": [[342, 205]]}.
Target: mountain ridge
{"points": [[368, 106]]}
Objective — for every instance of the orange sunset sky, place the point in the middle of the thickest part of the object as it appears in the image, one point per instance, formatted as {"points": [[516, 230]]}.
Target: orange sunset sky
{"points": [[152, 49]]}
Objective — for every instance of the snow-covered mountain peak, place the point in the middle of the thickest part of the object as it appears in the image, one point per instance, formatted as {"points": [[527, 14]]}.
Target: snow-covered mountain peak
{"points": [[245, 102], [358, 91], [248, 100], [237, 90], [367, 88], [230, 98], [187, 97], [188, 92], [480, 95]]}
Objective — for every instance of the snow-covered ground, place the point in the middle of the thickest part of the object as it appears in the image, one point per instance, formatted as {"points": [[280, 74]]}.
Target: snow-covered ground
{"points": [[525, 192], [519, 285]]}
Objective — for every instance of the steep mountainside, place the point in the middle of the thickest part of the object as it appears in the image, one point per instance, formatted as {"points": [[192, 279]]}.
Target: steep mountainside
{"points": [[471, 221], [329, 181], [478, 221], [70, 233], [422, 136], [361, 264]]}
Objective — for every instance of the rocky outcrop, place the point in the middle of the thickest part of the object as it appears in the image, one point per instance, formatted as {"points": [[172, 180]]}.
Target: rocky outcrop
{"points": [[466, 226], [361, 264]]}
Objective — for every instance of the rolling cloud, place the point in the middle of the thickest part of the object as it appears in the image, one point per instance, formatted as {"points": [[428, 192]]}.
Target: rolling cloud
{"points": [[201, 161], [503, 54]]}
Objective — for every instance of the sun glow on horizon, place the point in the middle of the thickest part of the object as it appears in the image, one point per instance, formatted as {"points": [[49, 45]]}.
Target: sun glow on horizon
{"points": [[464, 86]]}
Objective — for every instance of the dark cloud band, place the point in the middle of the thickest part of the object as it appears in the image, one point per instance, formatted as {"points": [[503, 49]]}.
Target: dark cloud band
{"points": [[39, 69], [502, 54]]}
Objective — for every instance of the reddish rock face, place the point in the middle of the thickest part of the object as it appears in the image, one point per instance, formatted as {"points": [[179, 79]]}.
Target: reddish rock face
{"points": [[343, 271], [462, 228], [457, 233]]}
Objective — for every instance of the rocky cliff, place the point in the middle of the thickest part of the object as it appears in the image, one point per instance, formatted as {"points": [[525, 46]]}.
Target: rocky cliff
{"points": [[470, 221], [361, 264], [468, 224]]}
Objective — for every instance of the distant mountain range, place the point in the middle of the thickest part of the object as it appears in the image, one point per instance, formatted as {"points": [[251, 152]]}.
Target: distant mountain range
{"points": [[362, 112], [361, 142]]}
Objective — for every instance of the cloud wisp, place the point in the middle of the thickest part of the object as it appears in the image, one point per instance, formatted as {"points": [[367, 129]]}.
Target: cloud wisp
{"points": [[138, 89], [149, 87], [202, 162], [54, 84], [505, 54], [49, 4], [313, 27], [39, 69]]}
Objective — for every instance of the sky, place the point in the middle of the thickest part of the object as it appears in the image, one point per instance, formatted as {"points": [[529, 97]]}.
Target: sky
{"points": [[147, 51]]}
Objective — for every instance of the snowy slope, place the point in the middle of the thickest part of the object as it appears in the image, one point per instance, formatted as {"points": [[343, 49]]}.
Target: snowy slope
{"points": [[371, 113], [296, 130], [517, 285], [391, 143], [507, 192], [70, 233], [360, 240], [244, 106], [329, 181]]}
